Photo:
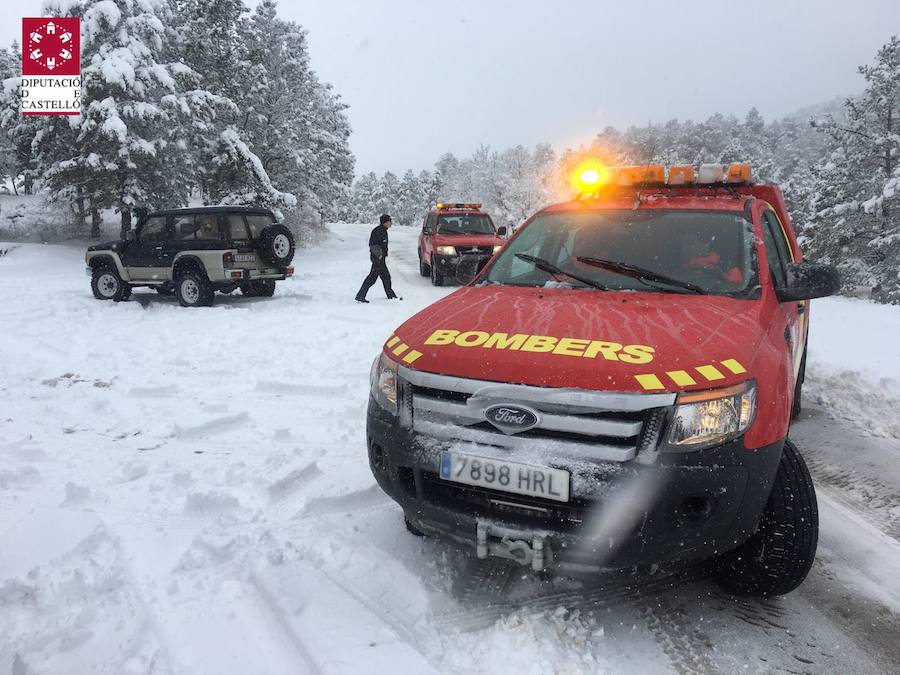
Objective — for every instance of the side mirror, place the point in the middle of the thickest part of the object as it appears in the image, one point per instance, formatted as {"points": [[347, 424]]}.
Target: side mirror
{"points": [[426, 230], [809, 280], [469, 266], [501, 231]]}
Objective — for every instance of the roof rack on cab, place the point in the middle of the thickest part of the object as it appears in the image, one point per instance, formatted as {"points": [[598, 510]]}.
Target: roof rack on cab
{"points": [[594, 180]]}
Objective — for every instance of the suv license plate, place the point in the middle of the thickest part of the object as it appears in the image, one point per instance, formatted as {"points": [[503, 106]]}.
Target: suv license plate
{"points": [[244, 257], [521, 479]]}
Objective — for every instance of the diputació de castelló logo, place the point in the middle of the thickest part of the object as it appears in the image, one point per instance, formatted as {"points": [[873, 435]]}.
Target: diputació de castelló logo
{"points": [[51, 66]]}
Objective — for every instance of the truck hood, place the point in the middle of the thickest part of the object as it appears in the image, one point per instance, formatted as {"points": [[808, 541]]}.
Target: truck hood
{"points": [[612, 341]]}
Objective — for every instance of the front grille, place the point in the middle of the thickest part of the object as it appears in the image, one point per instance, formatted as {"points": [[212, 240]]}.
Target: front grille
{"points": [[599, 425], [475, 250]]}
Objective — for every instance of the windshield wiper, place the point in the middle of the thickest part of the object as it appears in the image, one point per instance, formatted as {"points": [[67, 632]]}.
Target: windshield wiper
{"points": [[641, 274], [555, 271]]}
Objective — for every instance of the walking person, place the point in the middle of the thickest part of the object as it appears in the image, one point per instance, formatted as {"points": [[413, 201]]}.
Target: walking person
{"points": [[378, 251]]}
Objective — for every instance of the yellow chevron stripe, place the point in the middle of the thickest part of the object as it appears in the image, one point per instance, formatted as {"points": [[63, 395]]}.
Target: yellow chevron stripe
{"points": [[411, 356], [394, 340], [681, 378], [649, 381], [711, 373], [399, 349], [734, 366]]}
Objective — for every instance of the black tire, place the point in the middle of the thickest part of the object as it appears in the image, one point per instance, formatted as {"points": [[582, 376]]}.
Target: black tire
{"points": [[437, 277], [276, 245], [193, 289], [797, 406], [412, 529], [424, 270], [262, 288], [106, 284], [777, 558]]}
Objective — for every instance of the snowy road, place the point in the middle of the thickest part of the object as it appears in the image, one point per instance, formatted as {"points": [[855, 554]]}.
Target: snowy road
{"points": [[186, 491]]}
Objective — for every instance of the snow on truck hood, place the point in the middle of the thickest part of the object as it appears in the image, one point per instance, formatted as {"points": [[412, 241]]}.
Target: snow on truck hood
{"points": [[617, 341]]}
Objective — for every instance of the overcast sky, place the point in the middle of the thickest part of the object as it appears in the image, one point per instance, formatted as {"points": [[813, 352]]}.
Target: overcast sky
{"points": [[423, 77]]}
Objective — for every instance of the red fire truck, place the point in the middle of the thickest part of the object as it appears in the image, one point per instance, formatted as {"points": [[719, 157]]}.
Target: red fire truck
{"points": [[615, 388], [454, 232]]}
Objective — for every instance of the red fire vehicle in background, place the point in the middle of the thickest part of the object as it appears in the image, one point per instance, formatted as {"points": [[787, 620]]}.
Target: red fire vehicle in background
{"points": [[452, 232], [615, 388]]}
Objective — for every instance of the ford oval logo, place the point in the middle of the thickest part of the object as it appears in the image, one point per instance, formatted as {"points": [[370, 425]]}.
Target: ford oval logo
{"points": [[512, 419]]}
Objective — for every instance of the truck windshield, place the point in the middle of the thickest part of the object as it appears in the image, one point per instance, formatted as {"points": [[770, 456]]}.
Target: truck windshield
{"points": [[701, 251], [465, 223]]}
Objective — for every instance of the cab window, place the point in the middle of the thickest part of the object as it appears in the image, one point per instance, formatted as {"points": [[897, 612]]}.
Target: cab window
{"points": [[712, 250], [154, 229], [465, 223], [777, 250]]}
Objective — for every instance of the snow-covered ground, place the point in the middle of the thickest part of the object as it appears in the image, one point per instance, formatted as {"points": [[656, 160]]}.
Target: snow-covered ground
{"points": [[187, 491]]}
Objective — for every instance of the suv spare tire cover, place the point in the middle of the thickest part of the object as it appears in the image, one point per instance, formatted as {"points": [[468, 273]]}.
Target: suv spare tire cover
{"points": [[276, 245]]}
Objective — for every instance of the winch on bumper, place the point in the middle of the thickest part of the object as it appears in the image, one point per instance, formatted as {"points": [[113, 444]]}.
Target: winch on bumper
{"points": [[628, 503]]}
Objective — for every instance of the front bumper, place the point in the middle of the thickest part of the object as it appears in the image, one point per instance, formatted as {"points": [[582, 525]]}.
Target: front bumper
{"points": [[447, 264], [680, 506]]}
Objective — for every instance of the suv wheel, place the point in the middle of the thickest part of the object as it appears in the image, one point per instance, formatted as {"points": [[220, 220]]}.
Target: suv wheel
{"points": [[276, 245], [423, 268], [193, 289], [437, 277], [263, 288], [106, 284], [777, 558]]}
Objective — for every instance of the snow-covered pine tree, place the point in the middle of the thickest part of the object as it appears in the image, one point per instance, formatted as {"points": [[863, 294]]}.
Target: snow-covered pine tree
{"points": [[295, 123], [856, 222], [9, 114], [125, 149], [411, 205]]}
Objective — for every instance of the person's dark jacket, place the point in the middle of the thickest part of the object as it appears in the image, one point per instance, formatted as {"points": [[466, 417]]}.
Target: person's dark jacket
{"points": [[378, 242]]}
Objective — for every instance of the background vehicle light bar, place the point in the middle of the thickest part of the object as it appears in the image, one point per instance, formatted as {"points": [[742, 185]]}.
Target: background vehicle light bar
{"points": [[457, 205]]}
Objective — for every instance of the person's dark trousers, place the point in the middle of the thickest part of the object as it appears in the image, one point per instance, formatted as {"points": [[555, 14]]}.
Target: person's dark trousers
{"points": [[379, 269]]}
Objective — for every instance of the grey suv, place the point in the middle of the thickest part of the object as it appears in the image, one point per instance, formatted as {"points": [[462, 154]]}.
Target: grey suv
{"points": [[193, 253]]}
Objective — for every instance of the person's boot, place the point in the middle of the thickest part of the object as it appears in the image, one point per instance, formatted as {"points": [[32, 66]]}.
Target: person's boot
{"points": [[359, 299]]}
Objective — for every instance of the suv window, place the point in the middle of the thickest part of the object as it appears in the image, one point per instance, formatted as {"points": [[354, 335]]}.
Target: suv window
{"points": [[777, 250], [258, 223], [237, 228], [201, 226], [154, 229]]}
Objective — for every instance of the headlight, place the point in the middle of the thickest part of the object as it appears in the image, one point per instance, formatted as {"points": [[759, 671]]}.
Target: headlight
{"points": [[498, 247], [706, 418], [446, 250], [383, 380]]}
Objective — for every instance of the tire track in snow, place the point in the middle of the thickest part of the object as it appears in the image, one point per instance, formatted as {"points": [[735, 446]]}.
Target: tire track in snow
{"points": [[474, 614], [359, 501]]}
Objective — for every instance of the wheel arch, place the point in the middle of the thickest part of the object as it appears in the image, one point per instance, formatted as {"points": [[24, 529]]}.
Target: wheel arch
{"points": [[188, 261], [95, 260]]}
